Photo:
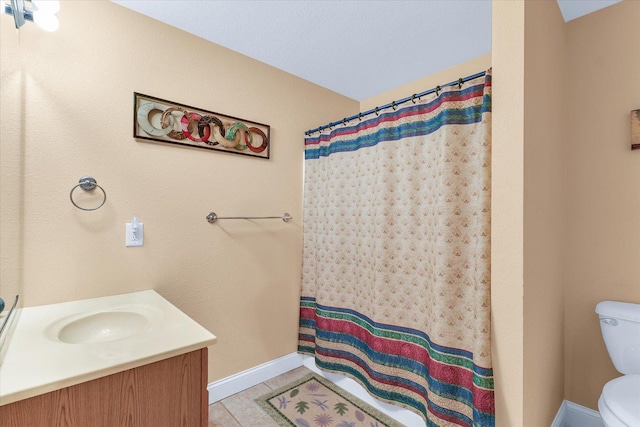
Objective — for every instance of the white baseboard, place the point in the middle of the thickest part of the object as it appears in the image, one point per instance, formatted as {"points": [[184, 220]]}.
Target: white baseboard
{"points": [[558, 421], [573, 415], [226, 387]]}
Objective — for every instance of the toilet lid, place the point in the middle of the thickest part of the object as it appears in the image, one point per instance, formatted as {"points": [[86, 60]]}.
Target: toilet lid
{"points": [[622, 396]]}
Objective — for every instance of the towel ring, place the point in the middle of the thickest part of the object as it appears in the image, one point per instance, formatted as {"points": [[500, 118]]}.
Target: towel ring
{"points": [[88, 183]]}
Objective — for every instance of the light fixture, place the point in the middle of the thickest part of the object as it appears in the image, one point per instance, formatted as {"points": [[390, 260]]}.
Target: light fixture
{"points": [[42, 12]]}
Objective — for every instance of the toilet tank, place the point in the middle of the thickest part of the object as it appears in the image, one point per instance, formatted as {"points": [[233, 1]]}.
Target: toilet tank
{"points": [[620, 325]]}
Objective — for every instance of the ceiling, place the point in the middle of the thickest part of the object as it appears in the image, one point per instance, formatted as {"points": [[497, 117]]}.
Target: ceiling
{"points": [[358, 48]]}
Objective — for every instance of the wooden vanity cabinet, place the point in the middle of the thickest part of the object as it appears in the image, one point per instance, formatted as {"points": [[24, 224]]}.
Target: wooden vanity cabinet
{"points": [[171, 393]]}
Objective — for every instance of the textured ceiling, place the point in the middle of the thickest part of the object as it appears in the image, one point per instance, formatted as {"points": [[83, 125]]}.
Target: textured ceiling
{"points": [[572, 9], [358, 48]]}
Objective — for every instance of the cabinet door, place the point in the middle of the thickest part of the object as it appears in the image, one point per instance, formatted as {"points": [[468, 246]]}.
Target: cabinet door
{"points": [[172, 392]]}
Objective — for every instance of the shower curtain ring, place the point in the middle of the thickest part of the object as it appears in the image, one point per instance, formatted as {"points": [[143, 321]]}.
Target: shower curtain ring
{"points": [[377, 111], [344, 121], [393, 105], [413, 98], [438, 89], [359, 117], [460, 83]]}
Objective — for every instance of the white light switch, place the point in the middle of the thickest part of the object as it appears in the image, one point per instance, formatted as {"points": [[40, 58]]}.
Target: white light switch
{"points": [[134, 233]]}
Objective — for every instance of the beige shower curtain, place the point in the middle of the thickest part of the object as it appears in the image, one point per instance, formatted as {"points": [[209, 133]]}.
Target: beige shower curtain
{"points": [[396, 269]]}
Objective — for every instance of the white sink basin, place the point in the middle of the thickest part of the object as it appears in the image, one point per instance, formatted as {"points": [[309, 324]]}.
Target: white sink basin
{"points": [[60, 345], [100, 327], [105, 325]]}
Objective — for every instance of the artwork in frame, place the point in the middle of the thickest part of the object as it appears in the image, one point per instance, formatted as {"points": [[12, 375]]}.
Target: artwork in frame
{"points": [[635, 130], [159, 120]]}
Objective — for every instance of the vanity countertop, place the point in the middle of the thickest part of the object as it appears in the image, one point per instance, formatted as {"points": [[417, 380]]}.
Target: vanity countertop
{"points": [[40, 357]]}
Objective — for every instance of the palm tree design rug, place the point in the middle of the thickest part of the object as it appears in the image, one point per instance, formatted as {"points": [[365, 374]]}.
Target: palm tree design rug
{"points": [[312, 401]]}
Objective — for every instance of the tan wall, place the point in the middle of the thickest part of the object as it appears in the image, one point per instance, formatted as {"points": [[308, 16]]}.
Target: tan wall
{"points": [[544, 211], [603, 197], [507, 208], [67, 100]]}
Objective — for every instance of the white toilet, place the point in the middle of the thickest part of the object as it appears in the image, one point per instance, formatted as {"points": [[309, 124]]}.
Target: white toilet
{"points": [[619, 403]]}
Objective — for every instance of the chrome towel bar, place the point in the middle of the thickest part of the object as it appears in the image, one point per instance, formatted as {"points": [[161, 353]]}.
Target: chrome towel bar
{"points": [[213, 217]]}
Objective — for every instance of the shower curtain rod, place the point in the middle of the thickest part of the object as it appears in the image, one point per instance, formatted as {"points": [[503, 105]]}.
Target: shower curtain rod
{"points": [[394, 104]]}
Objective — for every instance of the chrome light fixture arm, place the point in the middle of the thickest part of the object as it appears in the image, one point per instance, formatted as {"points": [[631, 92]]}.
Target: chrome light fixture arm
{"points": [[43, 13]]}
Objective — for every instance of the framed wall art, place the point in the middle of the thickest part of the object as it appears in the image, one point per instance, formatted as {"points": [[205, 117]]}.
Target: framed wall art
{"points": [[159, 120], [635, 130]]}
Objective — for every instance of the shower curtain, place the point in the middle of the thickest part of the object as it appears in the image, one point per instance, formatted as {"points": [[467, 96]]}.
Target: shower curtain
{"points": [[396, 265]]}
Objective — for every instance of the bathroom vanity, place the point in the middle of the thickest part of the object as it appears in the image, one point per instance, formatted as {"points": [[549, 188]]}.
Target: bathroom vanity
{"points": [[125, 360]]}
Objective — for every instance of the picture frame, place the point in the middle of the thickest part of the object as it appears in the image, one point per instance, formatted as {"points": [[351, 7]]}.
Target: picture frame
{"points": [[160, 120], [635, 130]]}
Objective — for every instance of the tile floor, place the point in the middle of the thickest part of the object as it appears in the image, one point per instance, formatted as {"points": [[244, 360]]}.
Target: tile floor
{"points": [[240, 410]]}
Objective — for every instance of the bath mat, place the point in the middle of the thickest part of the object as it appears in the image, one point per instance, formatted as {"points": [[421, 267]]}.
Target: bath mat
{"points": [[312, 401]]}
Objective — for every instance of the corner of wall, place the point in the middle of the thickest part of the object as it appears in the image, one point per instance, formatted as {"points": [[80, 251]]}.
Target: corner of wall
{"points": [[507, 239], [544, 211]]}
